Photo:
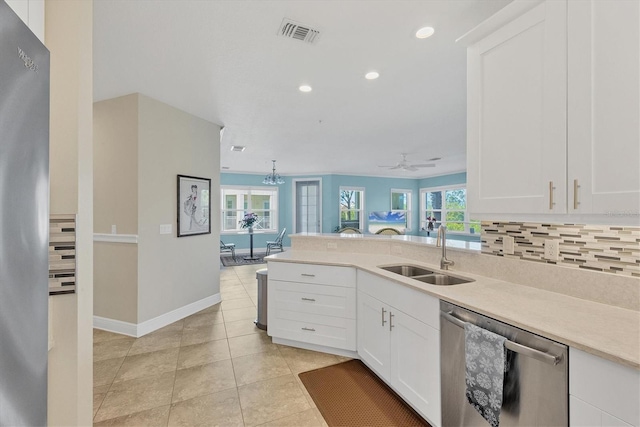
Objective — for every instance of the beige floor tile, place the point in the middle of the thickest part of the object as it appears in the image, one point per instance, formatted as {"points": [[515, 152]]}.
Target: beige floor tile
{"points": [[217, 409], [149, 418], [202, 319], [233, 304], [129, 397], [158, 340], [300, 360], [343, 358], [175, 326], [201, 354], [250, 344], [305, 392], [259, 367], [111, 349], [203, 379], [99, 394], [241, 327], [255, 300], [240, 313], [210, 309], [104, 371], [270, 400], [234, 294], [231, 285], [306, 418], [148, 364], [99, 336], [200, 334]]}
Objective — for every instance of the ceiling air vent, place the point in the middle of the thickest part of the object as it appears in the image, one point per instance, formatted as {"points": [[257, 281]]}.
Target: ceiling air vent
{"points": [[297, 31]]}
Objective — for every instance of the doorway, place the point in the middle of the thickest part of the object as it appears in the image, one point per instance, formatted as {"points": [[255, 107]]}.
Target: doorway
{"points": [[307, 214]]}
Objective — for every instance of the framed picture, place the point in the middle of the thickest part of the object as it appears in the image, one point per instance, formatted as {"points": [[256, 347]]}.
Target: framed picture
{"points": [[194, 206]]}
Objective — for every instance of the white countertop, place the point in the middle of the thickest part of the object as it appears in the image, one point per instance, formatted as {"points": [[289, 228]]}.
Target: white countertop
{"points": [[604, 330]]}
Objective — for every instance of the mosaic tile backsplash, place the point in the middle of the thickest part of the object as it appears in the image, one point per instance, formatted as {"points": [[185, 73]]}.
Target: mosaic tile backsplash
{"points": [[610, 249]]}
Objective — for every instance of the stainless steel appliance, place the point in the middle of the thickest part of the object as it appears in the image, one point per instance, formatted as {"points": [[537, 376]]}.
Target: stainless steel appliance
{"points": [[24, 222], [536, 390]]}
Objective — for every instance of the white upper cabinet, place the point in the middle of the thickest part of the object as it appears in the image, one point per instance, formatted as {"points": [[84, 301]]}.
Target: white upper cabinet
{"points": [[553, 112], [32, 13], [604, 107], [517, 114]]}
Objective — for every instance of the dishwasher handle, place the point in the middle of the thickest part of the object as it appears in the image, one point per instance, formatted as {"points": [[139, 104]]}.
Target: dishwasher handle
{"points": [[510, 345]]}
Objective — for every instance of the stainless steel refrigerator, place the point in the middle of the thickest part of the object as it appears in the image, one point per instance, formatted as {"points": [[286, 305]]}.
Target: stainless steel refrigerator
{"points": [[24, 222]]}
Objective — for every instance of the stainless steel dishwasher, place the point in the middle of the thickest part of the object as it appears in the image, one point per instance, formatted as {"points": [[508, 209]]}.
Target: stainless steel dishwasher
{"points": [[536, 390]]}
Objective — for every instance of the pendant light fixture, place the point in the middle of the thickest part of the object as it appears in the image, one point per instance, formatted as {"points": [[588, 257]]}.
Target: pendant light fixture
{"points": [[273, 178]]}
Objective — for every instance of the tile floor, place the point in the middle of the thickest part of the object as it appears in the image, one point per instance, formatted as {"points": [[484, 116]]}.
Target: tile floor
{"points": [[214, 368]]}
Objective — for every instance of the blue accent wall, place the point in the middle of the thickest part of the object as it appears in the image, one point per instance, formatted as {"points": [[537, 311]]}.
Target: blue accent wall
{"points": [[377, 198]]}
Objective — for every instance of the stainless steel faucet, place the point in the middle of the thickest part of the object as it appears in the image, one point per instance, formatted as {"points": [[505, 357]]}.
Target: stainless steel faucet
{"points": [[442, 240]]}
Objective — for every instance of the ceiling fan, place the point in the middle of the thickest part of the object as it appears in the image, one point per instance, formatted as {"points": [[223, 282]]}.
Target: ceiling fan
{"points": [[405, 165]]}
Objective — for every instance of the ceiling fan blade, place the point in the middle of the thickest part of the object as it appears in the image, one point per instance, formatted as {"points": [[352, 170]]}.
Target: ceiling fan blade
{"points": [[410, 168], [397, 167], [387, 166], [426, 165]]}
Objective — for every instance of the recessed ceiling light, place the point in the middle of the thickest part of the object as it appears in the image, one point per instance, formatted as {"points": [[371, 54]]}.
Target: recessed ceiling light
{"points": [[425, 32], [372, 75], [238, 148], [305, 88]]}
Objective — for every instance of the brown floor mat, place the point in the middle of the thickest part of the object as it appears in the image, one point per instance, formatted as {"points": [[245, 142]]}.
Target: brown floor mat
{"points": [[349, 394]]}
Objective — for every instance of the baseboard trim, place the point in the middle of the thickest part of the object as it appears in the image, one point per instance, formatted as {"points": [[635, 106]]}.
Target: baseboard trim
{"points": [[315, 347], [115, 326], [148, 326]]}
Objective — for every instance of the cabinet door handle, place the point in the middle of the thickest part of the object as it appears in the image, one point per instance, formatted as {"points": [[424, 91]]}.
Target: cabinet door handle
{"points": [[575, 194], [307, 275], [391, 320], [308, 299], [383, 312], [308, 329], [551, 202]]}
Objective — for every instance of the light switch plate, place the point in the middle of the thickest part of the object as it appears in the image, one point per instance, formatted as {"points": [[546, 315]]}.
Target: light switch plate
{"points": [[552, 250], [114, 230], [508, 243], [165, 228]]}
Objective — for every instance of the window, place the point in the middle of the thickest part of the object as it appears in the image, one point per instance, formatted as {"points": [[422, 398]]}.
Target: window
{"points": [[449, 207], [352, 207], [401, 202], [238, 201]]}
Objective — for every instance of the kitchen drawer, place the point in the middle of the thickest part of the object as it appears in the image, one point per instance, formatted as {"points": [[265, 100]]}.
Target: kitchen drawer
{"points": [[611, 387], [314, 329], [311, 273], [316, 299], [411, 301]]}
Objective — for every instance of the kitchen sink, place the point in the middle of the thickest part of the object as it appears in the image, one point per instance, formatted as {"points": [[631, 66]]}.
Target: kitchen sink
{"points": [[407, 270], [443, 279], [425, 276]]}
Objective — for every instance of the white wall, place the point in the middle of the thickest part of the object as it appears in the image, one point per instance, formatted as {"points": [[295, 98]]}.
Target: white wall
{"points": [[172, 271], [69, 31]]}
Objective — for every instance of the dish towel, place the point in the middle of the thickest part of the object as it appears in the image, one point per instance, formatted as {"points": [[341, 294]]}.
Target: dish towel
{"points": [[485, 358]]}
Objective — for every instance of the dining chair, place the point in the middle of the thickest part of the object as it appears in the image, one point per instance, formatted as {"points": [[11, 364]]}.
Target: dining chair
{"points": [[276, 243], [228, 247], [388, 230]]}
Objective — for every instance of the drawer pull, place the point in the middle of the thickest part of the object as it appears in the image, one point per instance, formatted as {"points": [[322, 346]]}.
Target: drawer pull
{"points": [[383, 312], [308, 299], [551, 202], [390, 320], [307, 275], [308, 329]]}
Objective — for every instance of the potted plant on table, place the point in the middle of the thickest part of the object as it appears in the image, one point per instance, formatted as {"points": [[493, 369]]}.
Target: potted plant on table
{"points": [[248, 221], [430, 221]]}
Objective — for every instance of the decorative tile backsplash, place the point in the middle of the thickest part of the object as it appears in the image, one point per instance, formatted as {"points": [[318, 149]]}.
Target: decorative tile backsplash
{"points": [[610, 249]]}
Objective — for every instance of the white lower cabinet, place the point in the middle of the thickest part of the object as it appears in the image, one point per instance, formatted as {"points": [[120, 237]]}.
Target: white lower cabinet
{"points": [[402, 350], [312, 304], [602, 393]]}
